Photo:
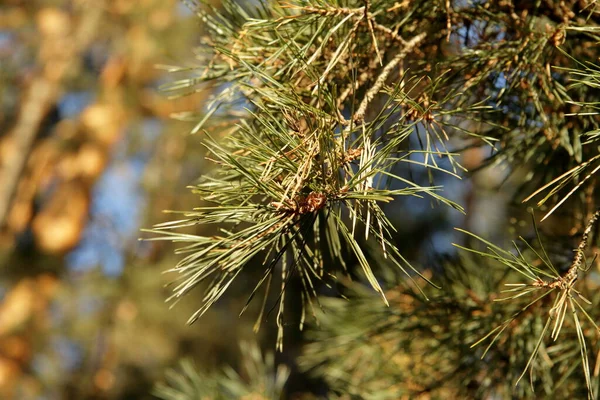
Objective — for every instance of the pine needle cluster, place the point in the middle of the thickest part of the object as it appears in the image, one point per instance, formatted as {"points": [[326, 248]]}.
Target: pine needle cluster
{"points": [[261, 379], [323, 109], [296, 182]]}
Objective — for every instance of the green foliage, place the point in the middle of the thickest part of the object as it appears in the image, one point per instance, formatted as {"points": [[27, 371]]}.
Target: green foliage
{"points": [[295, 181], [261, 380], [584, 78], [431, 348], [325, 111], [552, 294]]}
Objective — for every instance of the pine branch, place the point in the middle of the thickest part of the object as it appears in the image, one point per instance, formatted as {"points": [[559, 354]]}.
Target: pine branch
{"points": [[374, 90], [293, 169], [318, 132], [259, 378], [560, 287]]}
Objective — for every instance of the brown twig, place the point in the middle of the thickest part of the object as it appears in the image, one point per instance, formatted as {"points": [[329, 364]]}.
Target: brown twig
{"points": [[361, 80], [359, 116], [571, 274], [357, 13], [568, 279]]}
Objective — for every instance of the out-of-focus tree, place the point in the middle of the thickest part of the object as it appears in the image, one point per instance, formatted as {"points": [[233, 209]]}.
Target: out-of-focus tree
{"points": [[88, 151]]}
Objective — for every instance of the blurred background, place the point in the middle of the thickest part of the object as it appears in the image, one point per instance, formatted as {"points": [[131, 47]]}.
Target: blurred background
{"points": [[88, 157]]}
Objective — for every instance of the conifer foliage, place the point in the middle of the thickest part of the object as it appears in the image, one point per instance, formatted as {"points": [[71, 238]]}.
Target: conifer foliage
{"points": [[325, 111]]}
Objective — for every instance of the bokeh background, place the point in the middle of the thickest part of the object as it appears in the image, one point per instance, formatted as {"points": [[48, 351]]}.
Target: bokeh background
{"points": [[89, 155]]}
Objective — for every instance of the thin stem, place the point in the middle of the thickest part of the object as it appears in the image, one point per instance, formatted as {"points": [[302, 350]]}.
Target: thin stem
{"points": [[359, 116]]}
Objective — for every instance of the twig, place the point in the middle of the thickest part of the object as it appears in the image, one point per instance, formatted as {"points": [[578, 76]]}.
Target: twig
{"points": [[357, 13], [567, 281], [571, 274], [448, 21], [361, 80], [392, 34], [359, 116]]}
